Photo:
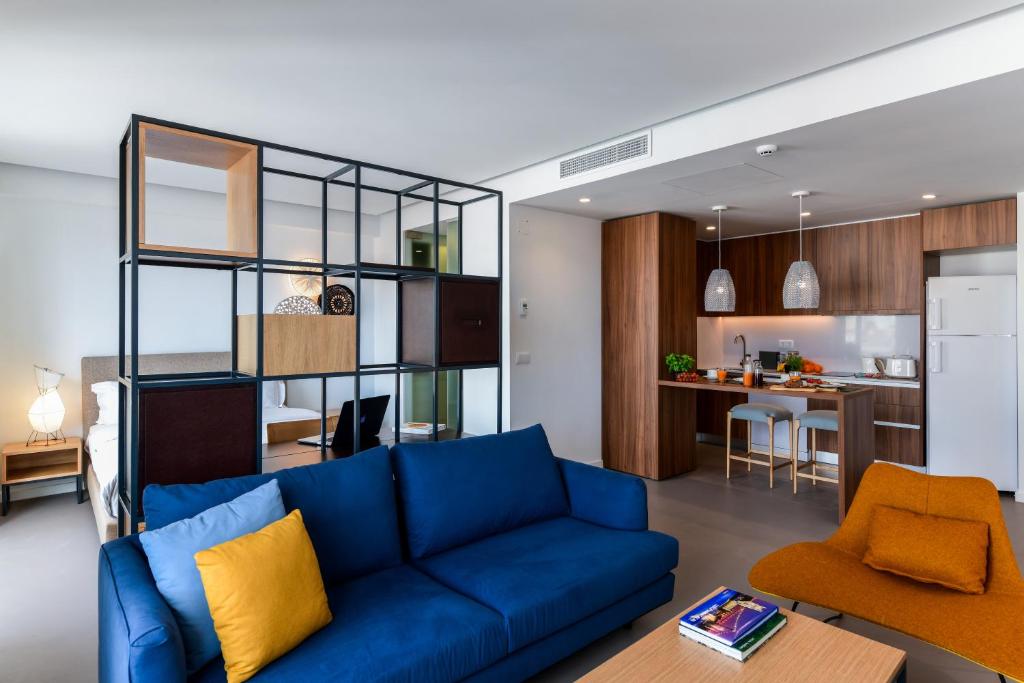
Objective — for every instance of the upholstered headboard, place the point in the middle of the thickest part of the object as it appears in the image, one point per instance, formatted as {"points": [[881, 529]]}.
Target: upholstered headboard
{"points": [[103, 368]]}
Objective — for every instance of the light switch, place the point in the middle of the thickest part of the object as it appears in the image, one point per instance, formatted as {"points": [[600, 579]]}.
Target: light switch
{"points": [[522, 358], [524, 308]]}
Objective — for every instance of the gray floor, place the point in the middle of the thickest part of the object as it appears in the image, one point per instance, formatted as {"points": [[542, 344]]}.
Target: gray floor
{"points": [[48, 572]]}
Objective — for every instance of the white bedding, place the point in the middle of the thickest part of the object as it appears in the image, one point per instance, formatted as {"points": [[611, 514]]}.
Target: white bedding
{"points": [[286, 414], [102, 445]]}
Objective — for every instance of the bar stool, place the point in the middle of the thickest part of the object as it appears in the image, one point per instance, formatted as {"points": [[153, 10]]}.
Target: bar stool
{"points": [[757, 412], [812, 421]]}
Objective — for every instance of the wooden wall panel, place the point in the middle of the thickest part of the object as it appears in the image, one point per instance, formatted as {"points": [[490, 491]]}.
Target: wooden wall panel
{"points": [[648, 307], [629, 344], [970, 225]]}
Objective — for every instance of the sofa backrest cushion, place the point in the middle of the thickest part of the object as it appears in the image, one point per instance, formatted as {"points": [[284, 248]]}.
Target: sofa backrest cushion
{"points": [[455, 492], [348, 506]]}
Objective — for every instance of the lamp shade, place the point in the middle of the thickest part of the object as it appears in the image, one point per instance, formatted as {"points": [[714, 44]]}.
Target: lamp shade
{"points": [[46, 378], [720, 292], [801, 288], [47, 412]]}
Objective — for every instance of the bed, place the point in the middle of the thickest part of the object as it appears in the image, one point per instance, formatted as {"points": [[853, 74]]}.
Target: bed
{"points": [[280, 422]]}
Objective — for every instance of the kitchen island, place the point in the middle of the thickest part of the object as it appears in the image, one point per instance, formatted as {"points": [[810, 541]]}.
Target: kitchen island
{"points": [[855, 406]]}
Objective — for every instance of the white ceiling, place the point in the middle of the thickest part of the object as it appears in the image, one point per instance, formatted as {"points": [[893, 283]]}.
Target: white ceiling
{"points": [[963, 144], [467, 89]]}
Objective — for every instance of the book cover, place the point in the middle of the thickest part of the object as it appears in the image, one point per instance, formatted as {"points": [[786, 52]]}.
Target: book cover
{"points": [[746, 646], [728, 615]]}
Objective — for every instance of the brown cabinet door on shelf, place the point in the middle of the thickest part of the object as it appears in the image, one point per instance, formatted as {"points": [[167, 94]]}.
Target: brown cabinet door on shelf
{"points": [[970, 225], [469, 322], [895, 265]]}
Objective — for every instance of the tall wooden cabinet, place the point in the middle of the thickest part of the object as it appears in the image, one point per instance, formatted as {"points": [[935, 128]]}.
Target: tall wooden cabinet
{"points": [[648, 305]]}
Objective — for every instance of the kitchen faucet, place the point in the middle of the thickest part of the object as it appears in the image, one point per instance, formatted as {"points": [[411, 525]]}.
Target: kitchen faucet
{"points": [[740, 339]]}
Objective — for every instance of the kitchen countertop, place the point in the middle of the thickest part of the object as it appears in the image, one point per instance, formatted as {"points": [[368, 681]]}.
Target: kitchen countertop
{"points": [[867, 381]]}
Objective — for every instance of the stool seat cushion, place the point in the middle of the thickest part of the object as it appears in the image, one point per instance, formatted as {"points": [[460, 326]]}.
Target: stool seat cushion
{"points": [[760, 412], [820, 419]]}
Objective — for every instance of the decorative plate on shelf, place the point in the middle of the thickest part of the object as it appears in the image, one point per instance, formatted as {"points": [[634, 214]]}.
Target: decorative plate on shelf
{"points": [[340, 300]]}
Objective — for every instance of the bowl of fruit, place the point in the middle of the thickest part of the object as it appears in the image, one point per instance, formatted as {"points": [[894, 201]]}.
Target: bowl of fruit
{"points": [[682, 366]]}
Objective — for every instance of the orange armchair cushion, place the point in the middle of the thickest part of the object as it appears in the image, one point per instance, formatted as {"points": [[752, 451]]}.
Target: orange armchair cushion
{"points": [[930, 549]]}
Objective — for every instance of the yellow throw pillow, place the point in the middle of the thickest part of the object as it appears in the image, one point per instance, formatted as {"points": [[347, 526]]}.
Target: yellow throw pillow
{"points": [[265, 594], [948, 552]]}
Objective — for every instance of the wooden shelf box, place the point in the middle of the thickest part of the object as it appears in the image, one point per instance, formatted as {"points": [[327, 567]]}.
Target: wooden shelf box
{"points": [[38, 461], [237, 159], [298, 344]]}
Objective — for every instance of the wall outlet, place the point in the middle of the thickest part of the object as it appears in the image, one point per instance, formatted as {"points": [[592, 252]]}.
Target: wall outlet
{"points": [[786, 345], [522, 358]]}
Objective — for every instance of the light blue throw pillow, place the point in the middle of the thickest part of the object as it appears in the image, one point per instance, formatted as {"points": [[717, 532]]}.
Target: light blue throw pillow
{"points": [[171, 550]]}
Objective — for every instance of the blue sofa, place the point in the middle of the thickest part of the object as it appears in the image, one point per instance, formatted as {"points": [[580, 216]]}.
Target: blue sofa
{"points": [[482, 559]]}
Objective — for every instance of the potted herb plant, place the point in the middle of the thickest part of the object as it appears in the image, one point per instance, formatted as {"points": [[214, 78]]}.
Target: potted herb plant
{"points": [[794, 364], [681, 366]]}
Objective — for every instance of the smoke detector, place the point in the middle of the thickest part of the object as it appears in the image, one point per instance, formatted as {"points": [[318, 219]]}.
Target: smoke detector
{"points": [[767, 150]]}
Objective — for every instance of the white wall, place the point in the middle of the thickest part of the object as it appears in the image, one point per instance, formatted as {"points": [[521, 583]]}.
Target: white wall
{"points": [[837, 342], [555, 263], [1020, 347]]}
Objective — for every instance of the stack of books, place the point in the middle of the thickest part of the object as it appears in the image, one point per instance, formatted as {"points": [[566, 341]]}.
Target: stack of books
{"points": [[732, 623]]}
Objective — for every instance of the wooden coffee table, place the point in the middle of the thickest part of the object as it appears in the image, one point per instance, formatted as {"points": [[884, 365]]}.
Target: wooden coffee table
{"points": [[804, 650]]}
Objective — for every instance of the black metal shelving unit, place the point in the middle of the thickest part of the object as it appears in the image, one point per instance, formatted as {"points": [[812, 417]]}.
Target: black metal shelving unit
{"points": [[349, 173]]}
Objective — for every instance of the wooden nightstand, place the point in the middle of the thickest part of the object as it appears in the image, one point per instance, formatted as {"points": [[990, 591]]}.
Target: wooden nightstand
{"points": [[20, 464]]}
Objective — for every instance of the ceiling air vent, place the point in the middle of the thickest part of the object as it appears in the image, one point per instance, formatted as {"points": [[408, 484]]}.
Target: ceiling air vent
{"points": [[617, 152]]}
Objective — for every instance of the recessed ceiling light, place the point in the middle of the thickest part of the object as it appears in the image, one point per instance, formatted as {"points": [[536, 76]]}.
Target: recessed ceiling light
{"points": [[928, 196], [710, 227], [805, 214], [584, 200]]}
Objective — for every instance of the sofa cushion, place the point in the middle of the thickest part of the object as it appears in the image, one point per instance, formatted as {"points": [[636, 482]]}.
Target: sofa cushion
{"points": [[983, 628], [265, 593], [455, 492], [348, 506], [393, 625], [940, 550], [170, 551], [548, 575]]}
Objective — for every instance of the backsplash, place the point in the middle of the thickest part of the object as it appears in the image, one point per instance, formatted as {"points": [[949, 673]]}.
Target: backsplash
{"points": [[836, 342]]}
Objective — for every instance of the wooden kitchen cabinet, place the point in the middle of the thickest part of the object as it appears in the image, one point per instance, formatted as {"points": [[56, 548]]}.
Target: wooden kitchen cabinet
{"points": [[900, 436], [871, 267], [894, 252], [965, 226], [842, 260]]}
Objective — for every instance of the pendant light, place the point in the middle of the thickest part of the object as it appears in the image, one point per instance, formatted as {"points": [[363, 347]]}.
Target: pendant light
{"points": [[801, 289], [720, 293]]}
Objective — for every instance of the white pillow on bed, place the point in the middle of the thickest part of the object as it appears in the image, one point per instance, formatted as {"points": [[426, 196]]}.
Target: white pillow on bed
{"points": [[106, 399], [273, 394]]}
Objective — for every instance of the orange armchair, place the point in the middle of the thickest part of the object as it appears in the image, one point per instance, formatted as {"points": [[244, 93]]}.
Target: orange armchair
{"points": [[987, 629]]}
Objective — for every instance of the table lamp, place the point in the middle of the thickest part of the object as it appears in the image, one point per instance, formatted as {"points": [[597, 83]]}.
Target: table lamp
{"points": [[47, 411]]}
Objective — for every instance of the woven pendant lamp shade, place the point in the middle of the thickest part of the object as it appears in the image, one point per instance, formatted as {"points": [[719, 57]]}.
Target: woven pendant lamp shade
{"points": [[720, 292], [801, 288]]}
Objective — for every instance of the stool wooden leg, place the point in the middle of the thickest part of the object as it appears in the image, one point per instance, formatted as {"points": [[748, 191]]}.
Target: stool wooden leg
{"points": [[814, 456], [728, 443], [771, 453], [750, 443], [794, 450]]}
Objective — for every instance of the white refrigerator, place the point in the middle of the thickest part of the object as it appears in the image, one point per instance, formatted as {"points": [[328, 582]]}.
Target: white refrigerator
{"points": [[971, 323]]}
